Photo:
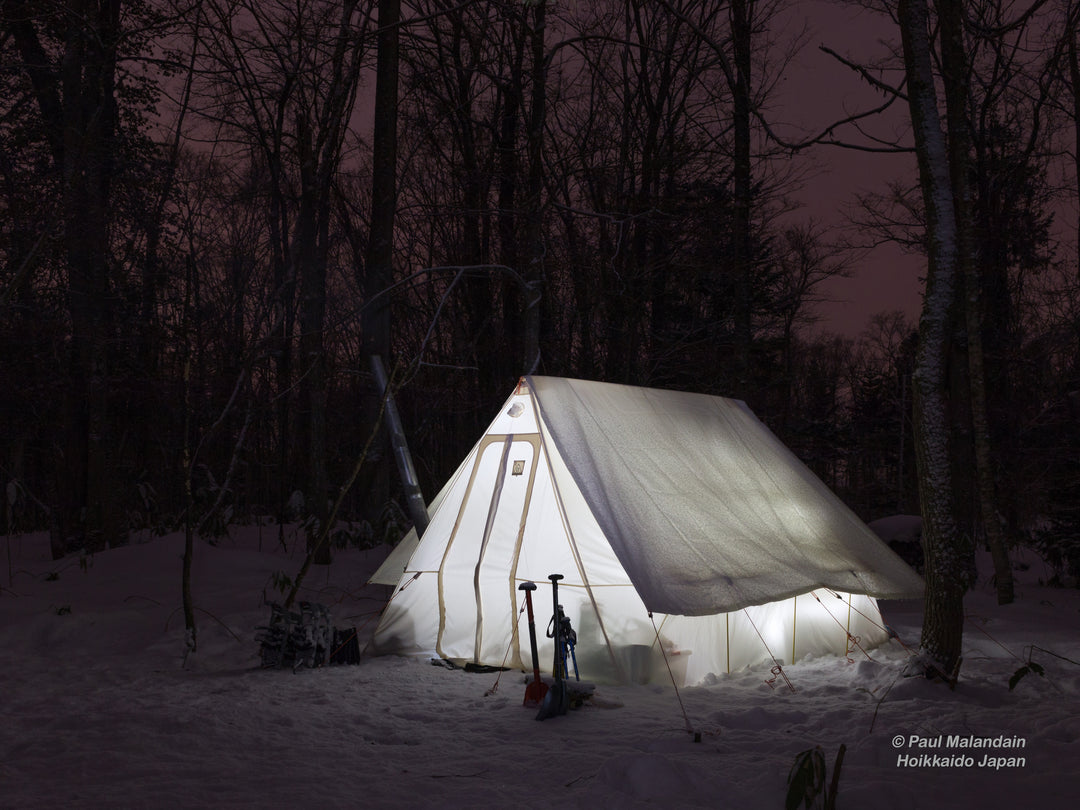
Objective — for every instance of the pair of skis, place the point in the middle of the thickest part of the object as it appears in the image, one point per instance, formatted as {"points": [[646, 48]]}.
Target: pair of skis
{"points": [[556, 700]]}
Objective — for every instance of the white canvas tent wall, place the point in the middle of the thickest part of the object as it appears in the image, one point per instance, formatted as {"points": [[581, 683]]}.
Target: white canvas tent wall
{"points": [[681, 504]]}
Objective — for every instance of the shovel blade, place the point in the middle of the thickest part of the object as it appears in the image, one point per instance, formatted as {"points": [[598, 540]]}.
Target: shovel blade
{"points": [[556, 702], [535, 692]]}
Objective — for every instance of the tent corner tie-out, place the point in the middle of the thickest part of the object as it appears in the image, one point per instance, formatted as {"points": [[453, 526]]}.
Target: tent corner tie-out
{"points": [[678, 696]]}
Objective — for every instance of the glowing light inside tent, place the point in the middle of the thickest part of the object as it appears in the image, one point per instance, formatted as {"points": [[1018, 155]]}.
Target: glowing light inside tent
{"points": [[773, 633], [679, 506]]}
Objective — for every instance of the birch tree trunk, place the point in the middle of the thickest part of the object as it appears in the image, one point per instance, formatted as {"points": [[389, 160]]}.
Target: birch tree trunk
{"points": [[942, 631], [957, 93]]}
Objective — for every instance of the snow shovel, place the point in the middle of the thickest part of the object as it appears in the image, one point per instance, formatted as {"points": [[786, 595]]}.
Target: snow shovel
{"points": [[535, 691], [557, 700]]}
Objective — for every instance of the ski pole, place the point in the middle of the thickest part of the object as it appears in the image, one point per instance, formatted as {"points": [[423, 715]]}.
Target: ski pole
{"points": [[560, 653]]}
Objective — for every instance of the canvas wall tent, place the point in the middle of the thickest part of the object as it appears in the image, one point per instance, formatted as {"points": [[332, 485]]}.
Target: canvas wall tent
{"points": [[681, 504]]}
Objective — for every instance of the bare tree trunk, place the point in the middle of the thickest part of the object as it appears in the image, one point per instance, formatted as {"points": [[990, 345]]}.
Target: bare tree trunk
{"points": [[983, 450], [512, 95], [284, 290], [534, 269], [942, 631], [379, 273], [379, 270], [741, 259], [1074, 80], [308, 256], [957, 94], [191, 633], [75, 94]]}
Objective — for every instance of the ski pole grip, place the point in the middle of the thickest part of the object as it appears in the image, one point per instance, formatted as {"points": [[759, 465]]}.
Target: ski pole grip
{"points": [[527, 586]]}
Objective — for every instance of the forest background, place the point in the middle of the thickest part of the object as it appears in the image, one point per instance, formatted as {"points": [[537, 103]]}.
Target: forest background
{"points": [[214, 213]]}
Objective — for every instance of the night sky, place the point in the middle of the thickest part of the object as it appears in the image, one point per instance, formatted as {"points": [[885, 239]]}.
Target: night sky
{"points": [[819, 90]]}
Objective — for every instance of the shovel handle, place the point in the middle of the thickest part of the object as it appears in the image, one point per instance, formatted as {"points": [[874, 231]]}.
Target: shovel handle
{"points": [[529, 587], [537, 688]]}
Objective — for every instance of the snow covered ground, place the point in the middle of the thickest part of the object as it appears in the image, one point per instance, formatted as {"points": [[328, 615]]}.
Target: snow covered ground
{"points": [[96, 709]]}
